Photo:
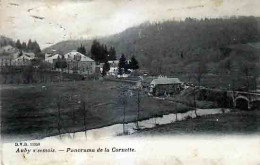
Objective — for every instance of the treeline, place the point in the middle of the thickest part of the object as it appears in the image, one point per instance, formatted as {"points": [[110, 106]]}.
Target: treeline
{"points": [[29, 47], [124, 65], [172, 46], [180, 47], [101, 54]]}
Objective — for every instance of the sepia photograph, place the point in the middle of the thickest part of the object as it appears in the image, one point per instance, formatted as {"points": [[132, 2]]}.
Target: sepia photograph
{"points": [[130, 82]]}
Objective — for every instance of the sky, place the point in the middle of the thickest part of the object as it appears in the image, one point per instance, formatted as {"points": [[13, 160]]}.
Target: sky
{"points": [[52, 21]]}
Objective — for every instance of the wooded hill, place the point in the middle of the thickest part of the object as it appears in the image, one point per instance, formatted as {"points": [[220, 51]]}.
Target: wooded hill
{"points": [[6, 41], [177, 46]]}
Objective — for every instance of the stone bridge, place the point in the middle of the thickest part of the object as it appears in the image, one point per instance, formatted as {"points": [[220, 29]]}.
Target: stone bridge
{"points": [[245, 100]]}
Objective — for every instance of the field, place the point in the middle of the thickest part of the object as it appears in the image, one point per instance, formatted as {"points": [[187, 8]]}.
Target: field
{"points": [[39, 110], [236, 122]]}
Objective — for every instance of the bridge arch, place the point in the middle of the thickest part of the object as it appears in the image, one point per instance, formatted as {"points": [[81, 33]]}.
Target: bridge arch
{"points": [[242, 102]]}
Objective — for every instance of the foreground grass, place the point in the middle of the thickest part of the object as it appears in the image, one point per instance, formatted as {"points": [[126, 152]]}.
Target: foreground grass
{"points": [[31, 111], [235, 122]]}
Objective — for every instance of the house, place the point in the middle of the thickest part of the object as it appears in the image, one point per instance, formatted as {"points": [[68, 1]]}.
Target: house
{"points": [[7, 55], [164, 85], [23, 60], [52, 58], [113, 63], [18, 58], [6, 60], [146, 82], [80, 63], [113, 68], [29, 54], [8, 49], [19, 53]]}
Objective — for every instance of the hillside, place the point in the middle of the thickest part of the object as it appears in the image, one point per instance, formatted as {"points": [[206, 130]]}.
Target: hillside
{"points": [[175, 47], [6, 41]]}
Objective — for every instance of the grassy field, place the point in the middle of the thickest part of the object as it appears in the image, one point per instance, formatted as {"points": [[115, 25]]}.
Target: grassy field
{"points": [[31, 111], [235, 122]]}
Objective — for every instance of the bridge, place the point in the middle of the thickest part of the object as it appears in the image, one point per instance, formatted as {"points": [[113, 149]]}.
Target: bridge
{"points": [[245, 100]]}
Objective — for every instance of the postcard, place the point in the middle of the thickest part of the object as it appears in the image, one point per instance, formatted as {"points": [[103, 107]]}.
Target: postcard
{"points": [[130, 82]]}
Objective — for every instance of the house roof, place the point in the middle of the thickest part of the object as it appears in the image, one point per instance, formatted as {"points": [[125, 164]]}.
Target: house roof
{"points": [[53, 57], [115, 61], [23, 57], [73, 53], [148, 79], [30, 54], [165, 80]]}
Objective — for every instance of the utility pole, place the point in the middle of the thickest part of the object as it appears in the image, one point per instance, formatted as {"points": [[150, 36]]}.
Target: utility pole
{"points": [[138, 107], [59, 106], [124, 119], [123, 101], [194, 101], [84, 113]]}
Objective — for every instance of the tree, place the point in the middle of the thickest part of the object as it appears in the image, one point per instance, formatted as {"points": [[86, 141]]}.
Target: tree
{"points": [[18, 44], [95, 51], [61, 63], [27, 74], [59, 103], [250, 73], [200, 70], [24, 47], [106, 68], [82, 50], [121, 64], [35, 48], [123, 100], [133, 64], [99, 52], [112, 54], [29, 45]]}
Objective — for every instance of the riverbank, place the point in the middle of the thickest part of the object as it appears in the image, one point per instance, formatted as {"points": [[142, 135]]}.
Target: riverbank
{"points": [[234, 122]]}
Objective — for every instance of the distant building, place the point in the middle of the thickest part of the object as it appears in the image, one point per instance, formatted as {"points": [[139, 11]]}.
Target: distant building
{"points": [[113, 63], [19, 53], [164, 85], [7, 54], [8, 49], [80, 63], [23, 60], [6, 60], [51, 58], [18, 58], [113, 67]]}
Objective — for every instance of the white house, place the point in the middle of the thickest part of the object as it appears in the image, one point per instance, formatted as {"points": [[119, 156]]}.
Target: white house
{"points": [[113, 63], [52, 58], [28, 54], [80, 63], [22, 60], [113, 67]]}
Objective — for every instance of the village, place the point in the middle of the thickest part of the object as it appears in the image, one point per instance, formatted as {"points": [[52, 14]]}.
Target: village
{"points": [[76, 63], [91, 93]]}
